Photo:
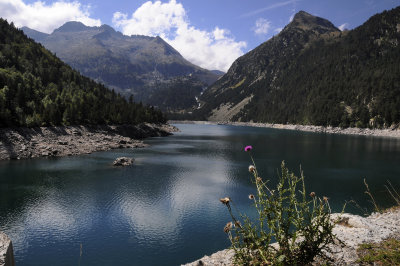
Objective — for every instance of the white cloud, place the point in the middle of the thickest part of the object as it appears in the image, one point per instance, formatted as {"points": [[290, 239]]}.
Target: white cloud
{"points": [[277, 30], [344, 26], [215, 49], [45, 17], [262, 26]]}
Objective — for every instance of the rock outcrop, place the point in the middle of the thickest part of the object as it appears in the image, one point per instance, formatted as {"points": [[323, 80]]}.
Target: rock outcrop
{"points": [[352, 230], [6, 251], [123, 161]]}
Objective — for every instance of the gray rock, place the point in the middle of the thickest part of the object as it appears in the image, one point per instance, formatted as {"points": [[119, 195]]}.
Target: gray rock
{"points": [[6, 251], [352, 230], [123, 161]]}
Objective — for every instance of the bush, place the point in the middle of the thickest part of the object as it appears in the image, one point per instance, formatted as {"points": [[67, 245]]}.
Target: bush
{"points": [[299, 223]]}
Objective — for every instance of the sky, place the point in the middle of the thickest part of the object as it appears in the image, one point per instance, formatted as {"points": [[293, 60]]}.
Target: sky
{"points": [[208, 33]]}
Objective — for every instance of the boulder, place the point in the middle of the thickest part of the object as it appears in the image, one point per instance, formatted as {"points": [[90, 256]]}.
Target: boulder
{"points": [[123, 161], [6, 251]]}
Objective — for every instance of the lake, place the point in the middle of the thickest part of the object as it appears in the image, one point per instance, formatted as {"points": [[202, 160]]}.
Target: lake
{"points": [[165, 209]]}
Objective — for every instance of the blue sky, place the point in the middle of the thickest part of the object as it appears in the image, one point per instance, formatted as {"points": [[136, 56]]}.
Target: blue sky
{"points": [[209, 33]]}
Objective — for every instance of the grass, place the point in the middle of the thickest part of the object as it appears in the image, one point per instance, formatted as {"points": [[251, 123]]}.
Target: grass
{"points": [[393, 194], [386, 252]]}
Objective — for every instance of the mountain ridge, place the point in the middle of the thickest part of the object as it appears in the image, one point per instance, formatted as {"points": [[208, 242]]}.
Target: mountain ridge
{"points": [[311, 73], [132, 65]]}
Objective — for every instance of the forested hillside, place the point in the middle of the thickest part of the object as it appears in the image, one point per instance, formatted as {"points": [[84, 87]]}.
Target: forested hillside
{"points": [[37, 88], [311, 73]]}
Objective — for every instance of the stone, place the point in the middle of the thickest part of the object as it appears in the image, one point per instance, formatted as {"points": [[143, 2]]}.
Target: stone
{"points": [[351, 230], [123, 161], [6, 251]]}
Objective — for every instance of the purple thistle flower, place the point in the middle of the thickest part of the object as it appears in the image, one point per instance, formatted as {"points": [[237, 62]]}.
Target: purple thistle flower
{"points": [[248, 148]]}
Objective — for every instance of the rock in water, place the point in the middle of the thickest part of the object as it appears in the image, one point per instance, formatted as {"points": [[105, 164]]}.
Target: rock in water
{"points": [[6, 251], [123, 161]]}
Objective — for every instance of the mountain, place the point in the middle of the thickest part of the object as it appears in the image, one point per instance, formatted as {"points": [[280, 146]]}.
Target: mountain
{"points": [[312, 73], [38, 89], [138, 65]]}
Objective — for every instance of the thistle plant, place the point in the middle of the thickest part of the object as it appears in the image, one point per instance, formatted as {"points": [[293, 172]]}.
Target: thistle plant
{"points": [[299, 223]]}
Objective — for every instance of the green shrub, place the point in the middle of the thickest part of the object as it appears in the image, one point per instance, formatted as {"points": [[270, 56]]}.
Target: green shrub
{"points": [[298, 222]]}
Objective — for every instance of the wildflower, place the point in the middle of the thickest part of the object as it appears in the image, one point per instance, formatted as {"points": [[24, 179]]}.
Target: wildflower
{"points": [[312, 194], [252, 168], [248, 148], [258, 179], [251, 196], [228, 227], [225, 200], [325, 198]]}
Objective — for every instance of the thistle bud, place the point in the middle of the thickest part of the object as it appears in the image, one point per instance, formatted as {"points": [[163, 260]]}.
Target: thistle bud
{"points": [[238, 224], [228, 227], [251, 196], [312, 194], [252, 168], [225, 200]]}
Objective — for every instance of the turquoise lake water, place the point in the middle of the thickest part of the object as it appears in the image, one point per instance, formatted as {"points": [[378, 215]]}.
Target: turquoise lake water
{"points": [[165, 209]]}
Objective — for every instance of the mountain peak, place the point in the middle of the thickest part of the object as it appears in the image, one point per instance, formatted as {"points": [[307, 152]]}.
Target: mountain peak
{"points": [[307, 21], [71, 26], [105, 27], [34, 34]]}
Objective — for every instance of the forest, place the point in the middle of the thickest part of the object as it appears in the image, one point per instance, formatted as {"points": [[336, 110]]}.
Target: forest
{"points": [[308, 76], [38, 89]]}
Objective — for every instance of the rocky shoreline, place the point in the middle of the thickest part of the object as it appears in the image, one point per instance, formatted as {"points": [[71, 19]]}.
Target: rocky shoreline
{"points": [[6, 251], [23, 143], [393, 132], [353, 230]]}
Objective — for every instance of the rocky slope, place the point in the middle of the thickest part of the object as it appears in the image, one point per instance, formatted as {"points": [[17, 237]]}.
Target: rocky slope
{"points": [[352, 230], [22, 143], [138, 65], [262, 66], [312, 73]]}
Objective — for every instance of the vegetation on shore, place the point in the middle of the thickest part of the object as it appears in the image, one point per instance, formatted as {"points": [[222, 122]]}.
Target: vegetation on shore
{"points": [[300, 223], [385, 253], [38, 89]]}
